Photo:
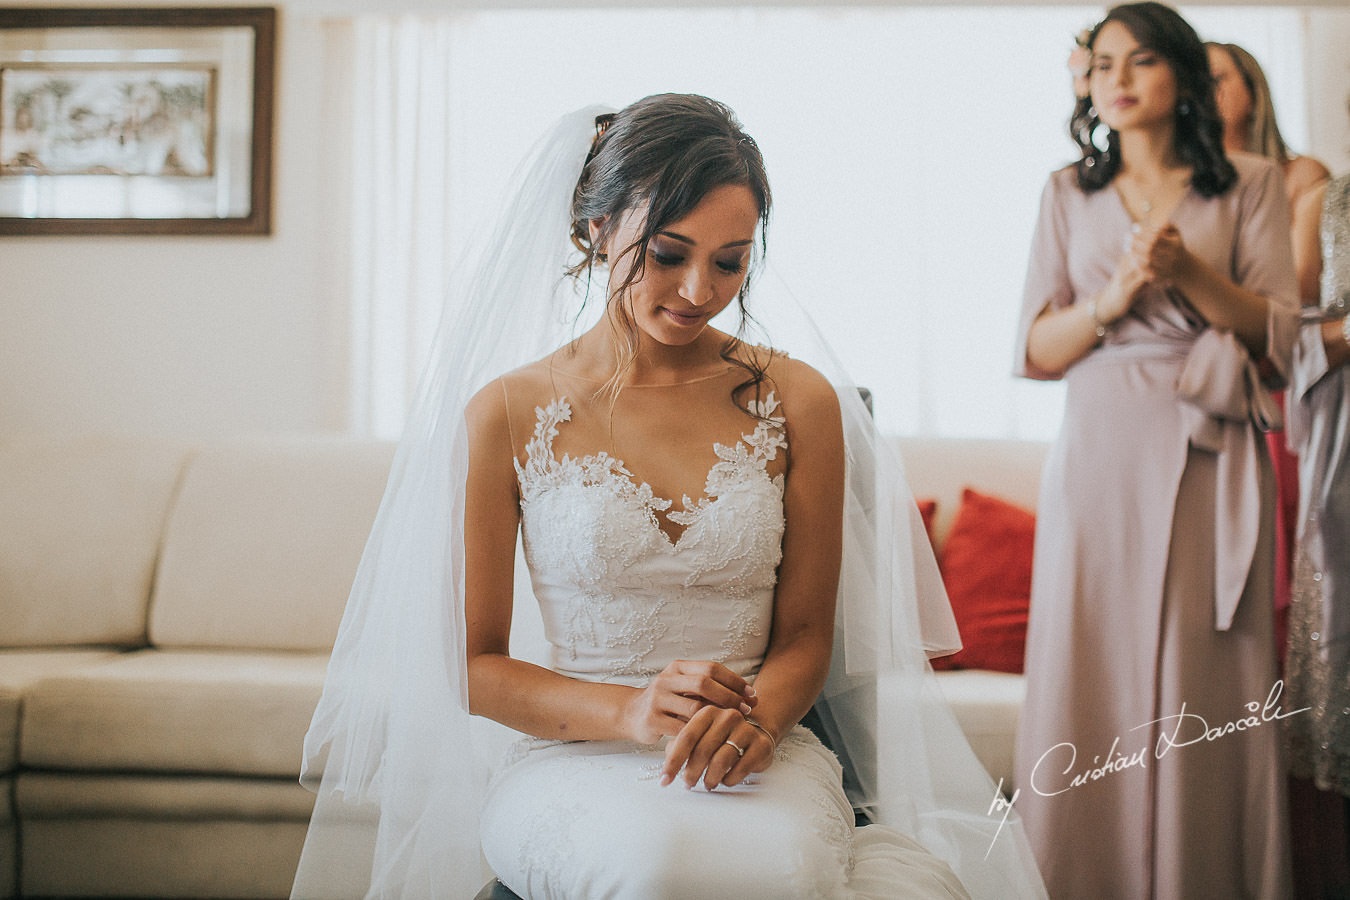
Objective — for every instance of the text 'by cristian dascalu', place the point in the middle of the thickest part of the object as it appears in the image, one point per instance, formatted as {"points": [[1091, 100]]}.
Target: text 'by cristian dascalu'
{"points": [[1057, 772]]}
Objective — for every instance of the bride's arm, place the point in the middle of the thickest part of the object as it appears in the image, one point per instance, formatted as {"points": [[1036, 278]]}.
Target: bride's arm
{"points": [[798, 656], [524, 696]]}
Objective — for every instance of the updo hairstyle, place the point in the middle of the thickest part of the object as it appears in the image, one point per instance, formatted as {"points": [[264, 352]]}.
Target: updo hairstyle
{"points": [[665, 152]]}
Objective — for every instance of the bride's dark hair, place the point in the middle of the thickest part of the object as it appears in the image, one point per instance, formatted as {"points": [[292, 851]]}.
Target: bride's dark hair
{"points": [[1198, 137], [666, 152]]}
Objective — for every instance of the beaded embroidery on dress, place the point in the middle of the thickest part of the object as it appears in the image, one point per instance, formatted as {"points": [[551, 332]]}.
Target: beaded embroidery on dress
{"points": [[620, 599], [615, 607]]}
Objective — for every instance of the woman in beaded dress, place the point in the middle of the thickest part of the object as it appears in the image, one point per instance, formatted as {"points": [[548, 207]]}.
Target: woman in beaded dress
{"points": [[1318, 663], [1160, 274]]}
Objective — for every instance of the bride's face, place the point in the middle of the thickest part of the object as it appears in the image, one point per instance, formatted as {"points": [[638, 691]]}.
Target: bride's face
{"points": [[694, 267]]}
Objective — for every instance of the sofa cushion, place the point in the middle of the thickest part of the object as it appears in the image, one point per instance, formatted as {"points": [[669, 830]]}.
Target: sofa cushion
{"points": [[263, 543], [185, 711], [988, 707], [986, 567], [128, 857], [941, 468], [927, 512], [19, 669], [80, 523], [9, 853], [75, 795]]}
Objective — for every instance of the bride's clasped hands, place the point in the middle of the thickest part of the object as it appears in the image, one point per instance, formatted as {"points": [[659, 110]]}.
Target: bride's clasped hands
{"points": [[704, 708]]}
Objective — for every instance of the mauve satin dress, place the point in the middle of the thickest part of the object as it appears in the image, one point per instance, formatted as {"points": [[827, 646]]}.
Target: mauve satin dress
{"points": [[1151, 601]]}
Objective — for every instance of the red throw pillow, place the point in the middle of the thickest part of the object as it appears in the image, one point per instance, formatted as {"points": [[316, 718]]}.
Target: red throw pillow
{"points": [[986, 567]]}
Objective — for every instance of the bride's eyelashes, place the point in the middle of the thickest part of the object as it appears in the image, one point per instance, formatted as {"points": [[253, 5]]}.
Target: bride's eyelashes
{"points": [[670, 260], [732, 266]]}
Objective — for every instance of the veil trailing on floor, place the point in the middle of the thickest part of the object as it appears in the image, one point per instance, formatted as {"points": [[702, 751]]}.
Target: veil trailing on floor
{"points": [[399, 765]]}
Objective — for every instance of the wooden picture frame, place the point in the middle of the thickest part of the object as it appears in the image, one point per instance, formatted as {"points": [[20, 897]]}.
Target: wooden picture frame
{"points": [[136, 121]]}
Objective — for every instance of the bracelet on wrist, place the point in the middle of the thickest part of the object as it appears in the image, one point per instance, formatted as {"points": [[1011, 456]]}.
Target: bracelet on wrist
{"points": [[1099, 327], [754, 723], [1345, 329]]}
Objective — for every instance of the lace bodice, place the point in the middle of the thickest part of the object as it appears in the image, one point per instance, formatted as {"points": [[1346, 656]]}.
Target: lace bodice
{"points": [[620, 598]]}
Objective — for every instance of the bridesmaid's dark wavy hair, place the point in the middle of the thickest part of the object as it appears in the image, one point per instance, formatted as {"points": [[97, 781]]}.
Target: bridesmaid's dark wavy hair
{"points": [[1198, 137], [667, 152]]}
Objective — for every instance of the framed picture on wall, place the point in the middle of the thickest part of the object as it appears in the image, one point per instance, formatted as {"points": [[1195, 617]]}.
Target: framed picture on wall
{"points": [[136, 121]]}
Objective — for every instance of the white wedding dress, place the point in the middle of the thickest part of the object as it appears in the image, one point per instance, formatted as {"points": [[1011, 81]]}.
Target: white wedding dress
{"points": [[621, 597]]}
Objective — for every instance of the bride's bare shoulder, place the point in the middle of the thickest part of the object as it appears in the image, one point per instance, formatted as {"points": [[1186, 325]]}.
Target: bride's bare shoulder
{"points": [[532, 382], [801, 388], [509, 400]]}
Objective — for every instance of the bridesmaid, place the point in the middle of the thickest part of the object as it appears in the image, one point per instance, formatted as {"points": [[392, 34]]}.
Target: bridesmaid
{"points": [[1249, 126], [1160, 276]]}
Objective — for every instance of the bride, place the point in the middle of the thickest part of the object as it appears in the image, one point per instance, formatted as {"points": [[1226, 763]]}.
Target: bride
{"points": [[692, 505]]}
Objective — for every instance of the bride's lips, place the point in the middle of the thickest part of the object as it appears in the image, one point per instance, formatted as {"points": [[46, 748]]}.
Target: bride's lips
{"points": [[1124, 102], [688, 318]]}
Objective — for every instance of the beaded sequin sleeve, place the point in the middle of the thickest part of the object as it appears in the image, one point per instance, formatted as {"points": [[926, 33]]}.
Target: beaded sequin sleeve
{"points": [[1335, 235], [1319, 739]]}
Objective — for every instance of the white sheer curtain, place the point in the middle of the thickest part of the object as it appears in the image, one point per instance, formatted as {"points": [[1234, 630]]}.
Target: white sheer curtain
{"points": [[401, 206], [907, 148]]}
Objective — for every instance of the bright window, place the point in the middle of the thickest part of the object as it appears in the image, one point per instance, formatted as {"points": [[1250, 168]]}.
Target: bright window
{"points": [[907, 148]]}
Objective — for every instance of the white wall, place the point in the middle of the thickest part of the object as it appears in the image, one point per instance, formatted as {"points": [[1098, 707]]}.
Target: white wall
{"points": [[193, 335], [188, 334], [1327, 73]]}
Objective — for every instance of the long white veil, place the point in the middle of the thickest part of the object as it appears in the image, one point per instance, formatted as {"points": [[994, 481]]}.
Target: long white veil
{"points": [[398, 763]]}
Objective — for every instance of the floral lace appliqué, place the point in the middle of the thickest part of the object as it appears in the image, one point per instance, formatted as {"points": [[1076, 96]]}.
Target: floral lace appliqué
{"points": [[623, 597], [541, 470], [830, 818], [740, 460]]}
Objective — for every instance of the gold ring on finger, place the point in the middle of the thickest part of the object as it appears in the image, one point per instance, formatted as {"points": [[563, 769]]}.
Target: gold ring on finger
{"points": [[740, 751]]}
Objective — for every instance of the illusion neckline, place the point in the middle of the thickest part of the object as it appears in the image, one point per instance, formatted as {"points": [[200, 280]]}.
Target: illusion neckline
{"points": [[658, 507], [629, 385]]}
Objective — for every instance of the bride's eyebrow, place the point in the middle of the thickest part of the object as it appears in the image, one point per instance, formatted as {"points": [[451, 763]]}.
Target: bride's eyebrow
{"points": [[682, 239]]}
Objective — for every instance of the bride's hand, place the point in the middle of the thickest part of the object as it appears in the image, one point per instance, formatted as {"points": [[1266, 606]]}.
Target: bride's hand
{"points": [[718, 746], [682, 689]]}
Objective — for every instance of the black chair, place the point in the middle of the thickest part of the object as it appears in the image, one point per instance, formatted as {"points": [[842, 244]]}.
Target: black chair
{"points": [[495, 890]]}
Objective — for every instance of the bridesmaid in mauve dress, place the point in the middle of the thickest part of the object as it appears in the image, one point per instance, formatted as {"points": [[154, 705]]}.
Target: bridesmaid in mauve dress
{"points": [[1160, 282]]}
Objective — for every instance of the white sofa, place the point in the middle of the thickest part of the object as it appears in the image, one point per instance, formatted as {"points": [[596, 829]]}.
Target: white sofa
{"points": [[166, 611], [166, 617], [987, 704]]}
